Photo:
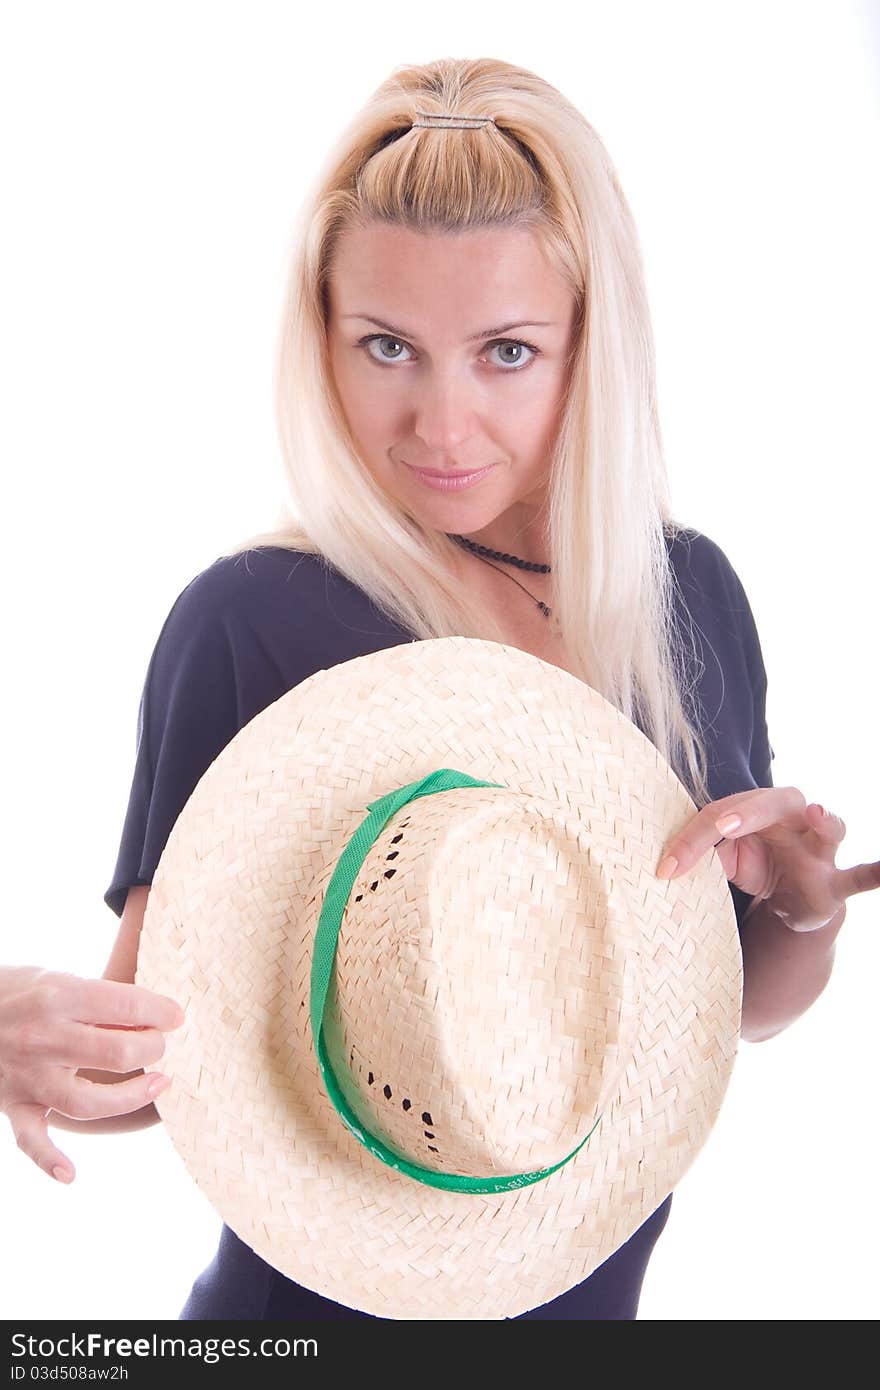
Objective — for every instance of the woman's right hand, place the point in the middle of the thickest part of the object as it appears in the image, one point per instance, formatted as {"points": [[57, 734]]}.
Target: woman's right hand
{"points": [[51, 1024]]}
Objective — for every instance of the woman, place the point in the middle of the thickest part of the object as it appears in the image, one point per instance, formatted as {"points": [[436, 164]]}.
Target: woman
{"points": [[468, 415]]}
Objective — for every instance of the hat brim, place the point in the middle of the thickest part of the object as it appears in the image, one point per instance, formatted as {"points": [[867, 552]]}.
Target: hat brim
{"points": [[226, 933]]}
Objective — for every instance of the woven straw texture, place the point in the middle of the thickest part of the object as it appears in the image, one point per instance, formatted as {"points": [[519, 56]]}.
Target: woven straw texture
{"points": [[511, 971]]}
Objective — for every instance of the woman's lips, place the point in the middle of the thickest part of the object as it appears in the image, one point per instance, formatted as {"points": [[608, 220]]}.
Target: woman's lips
{"points": [[450, 482]]}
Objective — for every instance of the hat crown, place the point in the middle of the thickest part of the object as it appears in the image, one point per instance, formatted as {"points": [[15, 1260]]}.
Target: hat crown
{"points": [[487, 992]]}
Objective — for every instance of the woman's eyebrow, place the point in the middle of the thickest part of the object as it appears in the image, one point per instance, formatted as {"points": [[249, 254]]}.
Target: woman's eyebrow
{"points": [[483, 333]]}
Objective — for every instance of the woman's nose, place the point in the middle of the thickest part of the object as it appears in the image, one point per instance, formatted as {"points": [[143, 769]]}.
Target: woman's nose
{"points": [[444, 415]]}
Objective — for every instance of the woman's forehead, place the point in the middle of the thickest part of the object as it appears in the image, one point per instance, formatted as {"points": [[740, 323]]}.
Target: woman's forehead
{"points": [[484, 278]]}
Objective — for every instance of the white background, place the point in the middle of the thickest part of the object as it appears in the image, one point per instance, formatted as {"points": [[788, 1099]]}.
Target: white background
{"points": [[153, 161]]}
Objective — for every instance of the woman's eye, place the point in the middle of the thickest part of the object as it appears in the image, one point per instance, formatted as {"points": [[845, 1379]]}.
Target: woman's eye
{"points": [[519, 348], [512, 363], [378, 338]]}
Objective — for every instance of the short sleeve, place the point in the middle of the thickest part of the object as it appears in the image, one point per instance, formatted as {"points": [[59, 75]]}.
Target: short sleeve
{"points": [[188, 712], [244, 631], [760, 752], [731, 678]]}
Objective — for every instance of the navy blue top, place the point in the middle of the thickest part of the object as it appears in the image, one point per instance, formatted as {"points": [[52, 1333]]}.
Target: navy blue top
{"points": [[253, 625]]}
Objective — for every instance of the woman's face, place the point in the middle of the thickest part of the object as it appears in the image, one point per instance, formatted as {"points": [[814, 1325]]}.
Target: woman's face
{"points": [[449, 353]]}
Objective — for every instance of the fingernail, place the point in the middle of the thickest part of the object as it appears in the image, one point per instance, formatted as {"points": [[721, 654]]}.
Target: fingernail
{"points": [[61, 1174], [728, 823], [158, 1084], [667, 867]]}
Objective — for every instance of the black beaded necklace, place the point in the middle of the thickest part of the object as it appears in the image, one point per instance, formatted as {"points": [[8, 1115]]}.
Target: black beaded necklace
{"points": [[484, 553]]}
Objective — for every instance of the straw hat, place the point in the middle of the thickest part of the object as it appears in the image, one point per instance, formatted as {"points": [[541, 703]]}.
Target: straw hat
{"points": [[527, 1035]]}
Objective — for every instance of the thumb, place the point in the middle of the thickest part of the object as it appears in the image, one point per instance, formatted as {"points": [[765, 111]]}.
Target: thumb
{"points": [[32, 1136]]}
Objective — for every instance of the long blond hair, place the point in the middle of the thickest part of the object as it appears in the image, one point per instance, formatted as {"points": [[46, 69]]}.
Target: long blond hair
{"points": [[540, 166]]}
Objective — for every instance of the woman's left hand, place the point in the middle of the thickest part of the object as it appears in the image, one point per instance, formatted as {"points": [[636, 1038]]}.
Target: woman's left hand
{"points": [[783, 851]]}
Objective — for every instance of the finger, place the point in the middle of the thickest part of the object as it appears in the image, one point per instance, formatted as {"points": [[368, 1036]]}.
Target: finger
{"points": [[859, 879], [755, 810], [111, 1003], [81, 1099], [98, 1047], [829, 826], [32, 1136]]}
